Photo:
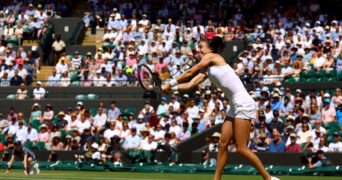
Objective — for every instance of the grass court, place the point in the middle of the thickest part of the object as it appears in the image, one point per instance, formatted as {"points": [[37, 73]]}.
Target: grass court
{"points": [[110, 175]]}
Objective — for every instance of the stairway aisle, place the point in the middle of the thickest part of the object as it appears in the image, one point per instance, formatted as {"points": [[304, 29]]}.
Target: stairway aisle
{"points": [[43, 76]]}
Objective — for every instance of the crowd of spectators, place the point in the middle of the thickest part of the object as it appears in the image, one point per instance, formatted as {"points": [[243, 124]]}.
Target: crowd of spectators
{"points": [[287, 121], [283, 42]]}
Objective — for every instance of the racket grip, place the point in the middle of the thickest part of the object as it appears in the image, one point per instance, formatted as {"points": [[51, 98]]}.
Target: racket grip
{"points": [[174, 88], [173, 82]]}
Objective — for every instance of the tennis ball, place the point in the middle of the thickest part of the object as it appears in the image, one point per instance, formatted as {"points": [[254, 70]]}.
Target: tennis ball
{"points": [[129, 71]]}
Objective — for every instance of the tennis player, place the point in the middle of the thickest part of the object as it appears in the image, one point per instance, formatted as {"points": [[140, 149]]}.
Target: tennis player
{"points": [[238, 121], [26, 155]]}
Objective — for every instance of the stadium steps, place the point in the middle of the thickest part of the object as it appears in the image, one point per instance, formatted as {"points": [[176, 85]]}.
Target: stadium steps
{"points": [[93, 39], [27, 42], [45, 72]]}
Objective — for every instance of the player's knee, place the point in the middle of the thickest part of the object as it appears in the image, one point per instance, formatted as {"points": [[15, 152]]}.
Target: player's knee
{"points": [[223, 144]]}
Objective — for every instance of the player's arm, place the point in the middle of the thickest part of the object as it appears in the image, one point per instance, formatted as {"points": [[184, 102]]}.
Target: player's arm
{"points": [[9, 164], [185, 76], [204, 62], [193, 83]]}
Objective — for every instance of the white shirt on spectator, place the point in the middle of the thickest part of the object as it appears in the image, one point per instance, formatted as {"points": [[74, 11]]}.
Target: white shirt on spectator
{"points": [[21, 134], [109, 133], [39, 93], [32, 135], [61, 68], [335, 147], [83, 125], [100, 120], [98, 81]]}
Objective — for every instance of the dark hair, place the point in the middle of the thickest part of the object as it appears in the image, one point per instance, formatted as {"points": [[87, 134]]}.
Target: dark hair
{"points": [[216, 43]]}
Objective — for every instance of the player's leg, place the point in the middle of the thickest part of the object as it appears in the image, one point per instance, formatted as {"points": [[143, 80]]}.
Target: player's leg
{"points": [[241, 136], [222, 155]]}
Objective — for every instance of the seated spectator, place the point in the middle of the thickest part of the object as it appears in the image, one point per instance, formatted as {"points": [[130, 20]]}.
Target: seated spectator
{"points": [[320, 160], [213, 146], [32, 133], [148, 148], [56, 144], [48, 114], [65, 80], [111, 131], [207, 160], [39, 92], [276, 144], [61, 123], [99, 123], [36, 113], [21, 92], [99, 80], [335, 146], [16, 80], [328, 112], [120, 79], [321, 145], [293, 146]]}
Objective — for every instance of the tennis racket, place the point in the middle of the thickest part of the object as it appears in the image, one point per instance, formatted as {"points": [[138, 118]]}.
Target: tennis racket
{"points": [[149, 80]]}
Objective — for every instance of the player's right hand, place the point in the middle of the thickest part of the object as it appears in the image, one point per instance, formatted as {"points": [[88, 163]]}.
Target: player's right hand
{"points": [[166, 89]]}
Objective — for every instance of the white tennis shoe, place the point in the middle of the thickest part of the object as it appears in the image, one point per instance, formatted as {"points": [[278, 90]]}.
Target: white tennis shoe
{"points": [[274, 178]]}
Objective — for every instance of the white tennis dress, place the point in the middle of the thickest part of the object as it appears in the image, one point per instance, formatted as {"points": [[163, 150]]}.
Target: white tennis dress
{"points": [[242, 105]]}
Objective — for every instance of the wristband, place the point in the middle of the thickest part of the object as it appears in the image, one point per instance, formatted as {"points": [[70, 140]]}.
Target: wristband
{"points": [[174, 88], [173, 82]]}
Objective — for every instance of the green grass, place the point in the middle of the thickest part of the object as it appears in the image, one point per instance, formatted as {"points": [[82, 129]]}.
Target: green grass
{"points": [[92, 175]]}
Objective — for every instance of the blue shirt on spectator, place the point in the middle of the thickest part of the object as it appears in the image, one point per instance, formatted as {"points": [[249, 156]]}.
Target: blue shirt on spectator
{"points": [[277, 147]]}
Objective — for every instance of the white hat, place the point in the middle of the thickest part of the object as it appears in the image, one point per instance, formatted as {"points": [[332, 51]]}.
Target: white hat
{"points": [[186, 95], [39, 82], [95, 145], [216, 134], [98, 71], [34, 48], [278, 83], [202, 110], [80, 103], [140, 116], [326, 95], [298, 91]]}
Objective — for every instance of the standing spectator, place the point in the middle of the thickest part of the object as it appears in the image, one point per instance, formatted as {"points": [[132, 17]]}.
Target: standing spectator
{"points": [[39, 92], [58, 47], [21, 92]]}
